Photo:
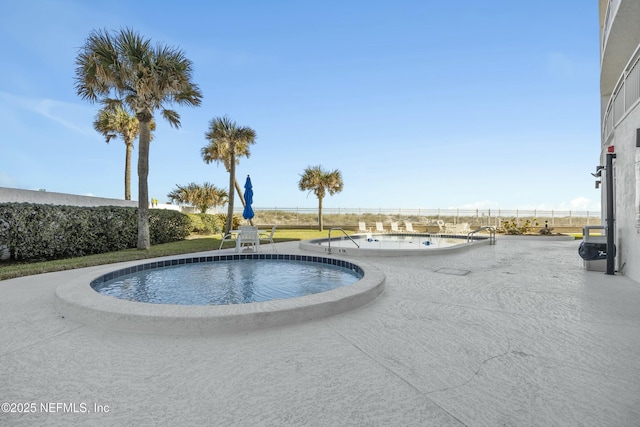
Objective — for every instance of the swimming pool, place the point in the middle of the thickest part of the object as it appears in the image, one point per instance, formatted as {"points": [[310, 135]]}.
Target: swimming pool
{"points": [[390, 244], [79, 301], [228, 281]]}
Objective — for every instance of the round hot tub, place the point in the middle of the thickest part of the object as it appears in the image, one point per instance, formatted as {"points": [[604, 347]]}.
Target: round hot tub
{"points": [[175, 295]]}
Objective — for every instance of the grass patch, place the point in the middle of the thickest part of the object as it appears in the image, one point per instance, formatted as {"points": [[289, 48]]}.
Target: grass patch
{"points": [[10, 270]]}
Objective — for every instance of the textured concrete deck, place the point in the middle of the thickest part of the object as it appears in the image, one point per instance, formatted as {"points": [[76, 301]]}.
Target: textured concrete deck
{"points": [[515, 334]]}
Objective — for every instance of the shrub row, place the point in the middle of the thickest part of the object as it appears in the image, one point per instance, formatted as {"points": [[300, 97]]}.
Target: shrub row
{"points": [[33, 231], [210, 223]]}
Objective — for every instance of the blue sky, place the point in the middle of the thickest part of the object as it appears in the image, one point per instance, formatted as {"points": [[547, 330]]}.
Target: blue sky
{"points": [[419, 104]]}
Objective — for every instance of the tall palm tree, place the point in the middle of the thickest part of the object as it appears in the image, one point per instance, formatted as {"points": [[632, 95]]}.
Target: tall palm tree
{"points": [[113, 123], [227, 143], [124, 69], [320, 182], [201, 197]]}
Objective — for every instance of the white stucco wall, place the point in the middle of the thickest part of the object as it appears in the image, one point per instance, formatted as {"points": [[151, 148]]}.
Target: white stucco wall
{"points": [[14, 195], [626, 199], [619, 54]]}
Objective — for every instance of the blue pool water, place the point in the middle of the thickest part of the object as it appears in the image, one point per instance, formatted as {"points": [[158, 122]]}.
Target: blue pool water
{"points": [[227, 281], [400, 241]]}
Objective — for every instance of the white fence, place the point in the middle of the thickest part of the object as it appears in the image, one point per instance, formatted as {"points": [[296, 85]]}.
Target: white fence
{"points": [[424, 216], [336, 216]]}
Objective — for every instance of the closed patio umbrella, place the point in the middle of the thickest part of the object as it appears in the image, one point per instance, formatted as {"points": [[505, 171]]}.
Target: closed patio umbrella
{"points": [[248, 213]]}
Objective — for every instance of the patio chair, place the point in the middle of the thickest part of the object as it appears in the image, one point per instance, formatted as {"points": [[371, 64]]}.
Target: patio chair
{"points": [[225, 237], [362, 227], [441, 226], [268, 237], [394, 227], [408, 227], [380, 228], [248, 238]]}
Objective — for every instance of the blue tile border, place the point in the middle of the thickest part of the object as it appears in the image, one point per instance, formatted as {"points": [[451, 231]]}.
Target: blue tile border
{"points": [[217, 258]]}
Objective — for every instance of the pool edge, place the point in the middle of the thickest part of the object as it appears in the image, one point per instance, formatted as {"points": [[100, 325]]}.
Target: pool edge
{"points": [[314, 247], [79, 302]]}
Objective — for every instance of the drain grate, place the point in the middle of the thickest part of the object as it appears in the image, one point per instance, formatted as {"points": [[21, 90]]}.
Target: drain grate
{"points": [[453, 271]]}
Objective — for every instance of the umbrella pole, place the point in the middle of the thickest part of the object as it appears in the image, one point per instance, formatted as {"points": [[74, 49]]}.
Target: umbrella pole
{"points": [[240, 194]]}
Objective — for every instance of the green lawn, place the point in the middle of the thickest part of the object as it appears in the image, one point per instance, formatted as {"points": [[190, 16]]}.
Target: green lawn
{"points": [[195, 244]]}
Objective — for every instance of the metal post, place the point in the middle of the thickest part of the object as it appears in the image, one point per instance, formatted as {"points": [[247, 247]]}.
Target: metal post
{"points": [[610, 218]]}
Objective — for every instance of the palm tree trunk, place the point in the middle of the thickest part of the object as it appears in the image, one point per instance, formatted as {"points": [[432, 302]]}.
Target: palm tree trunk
{"points": [[144, 239], [320, 214], [127, 172], [232, 178]]}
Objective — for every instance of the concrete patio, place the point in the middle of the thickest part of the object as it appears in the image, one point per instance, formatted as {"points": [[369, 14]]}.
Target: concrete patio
{"points": [[516, 334]]}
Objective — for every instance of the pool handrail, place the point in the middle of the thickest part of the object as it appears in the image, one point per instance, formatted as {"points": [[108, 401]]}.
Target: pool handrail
{"points": [[492, 234], [345, 233]]}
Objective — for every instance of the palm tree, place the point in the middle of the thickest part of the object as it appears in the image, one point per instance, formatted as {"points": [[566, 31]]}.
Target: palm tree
{"points": [[124, 69], [201, 197], [320, 182], [111, 123], [227, 143]]}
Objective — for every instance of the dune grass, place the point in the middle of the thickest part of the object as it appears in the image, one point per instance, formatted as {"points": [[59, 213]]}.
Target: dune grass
{"points": [[194, 244]]}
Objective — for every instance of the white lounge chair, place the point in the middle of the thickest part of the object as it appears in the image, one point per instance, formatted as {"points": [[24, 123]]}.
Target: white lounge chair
{"points": [[248, 238], [362, 227], [225, 237], [380, 228], [408, 227], [394, 227], [269, 237], [462, 228]]}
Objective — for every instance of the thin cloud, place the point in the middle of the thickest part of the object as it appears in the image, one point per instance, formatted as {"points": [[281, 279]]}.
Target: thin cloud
{"points": [[483, 204], [583, 204], [63, 113]]}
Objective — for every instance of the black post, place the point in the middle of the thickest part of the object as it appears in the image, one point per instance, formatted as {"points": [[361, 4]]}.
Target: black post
{"points": [[610, 218]]}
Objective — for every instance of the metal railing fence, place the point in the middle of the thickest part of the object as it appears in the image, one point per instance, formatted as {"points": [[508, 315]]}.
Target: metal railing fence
{"points": [[421, 216]]}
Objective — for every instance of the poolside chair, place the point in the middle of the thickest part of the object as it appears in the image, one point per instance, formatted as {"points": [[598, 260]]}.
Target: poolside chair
{"points": [[269, 237], [248, 238], [408, 227], [380, 228], [225, 237], [362, 227], [394, 227], [441, 226]]}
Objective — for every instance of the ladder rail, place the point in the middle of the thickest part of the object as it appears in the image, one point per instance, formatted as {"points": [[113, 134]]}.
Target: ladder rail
{"points": [[492, 234], [344, 232]]}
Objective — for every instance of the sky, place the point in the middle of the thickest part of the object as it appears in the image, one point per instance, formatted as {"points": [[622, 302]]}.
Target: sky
{"points": [[418, 103]]}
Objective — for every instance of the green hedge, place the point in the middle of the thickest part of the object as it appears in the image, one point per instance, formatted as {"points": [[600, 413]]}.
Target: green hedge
{"points": [[34, 231], [210, 223]]}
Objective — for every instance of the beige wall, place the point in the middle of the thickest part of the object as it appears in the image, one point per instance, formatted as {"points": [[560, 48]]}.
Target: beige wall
{"points": [[14, 195]]}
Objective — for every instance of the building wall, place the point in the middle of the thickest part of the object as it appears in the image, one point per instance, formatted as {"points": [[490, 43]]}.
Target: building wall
{"points": [[619, 54], [14, 195], [626, 199]]}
